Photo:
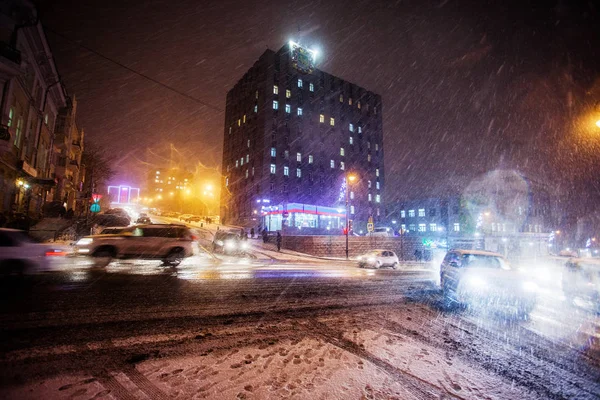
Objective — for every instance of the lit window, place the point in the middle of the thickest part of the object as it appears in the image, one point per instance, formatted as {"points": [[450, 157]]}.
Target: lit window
{"points": [[288, 108], [299, 111], [298, 173], [332, 121], [241, 161], [370, 197], [402, 214], [299, 157], [272, 168], [368, 157], [411, 227], [376, 146], [311, 87], [342, 151], [247, 159], [377, 185], [275, 89], [351, 127], [351, 140], [411, 213], [358, 105], [321, 118], [248, 143], [421, 212], [255, 108], [11, 113], [332, 164], [310, 159], [239, 122], [46, 119], [433, 227], [230, 130], [288, 93], [237, 163], [275, 105], [299, 83], [403, 228], [256, 94], [342, 165], [378, 198], [377, 172], [369, 184], [156, 181], [341, 98], [157, 172], [226, 182], [286, 171], [246, 174], [352, 195], [273, 152], [244, 119], [252, 171], [422, 228], [456, 227], [351, 209], [350, 101], [359, 129]]}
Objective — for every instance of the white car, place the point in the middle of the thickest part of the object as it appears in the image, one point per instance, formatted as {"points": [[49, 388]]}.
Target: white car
{"points": [[476, 277], [378, 259], [21, 255], [170, 243], [581, 280], [384, 231]]}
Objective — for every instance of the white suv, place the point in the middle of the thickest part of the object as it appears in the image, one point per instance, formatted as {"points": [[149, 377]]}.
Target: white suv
{"points": [[169, 242]]}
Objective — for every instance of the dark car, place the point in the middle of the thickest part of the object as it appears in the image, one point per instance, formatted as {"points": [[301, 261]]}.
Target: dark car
{"points": [[143, 220], [229, 243]]}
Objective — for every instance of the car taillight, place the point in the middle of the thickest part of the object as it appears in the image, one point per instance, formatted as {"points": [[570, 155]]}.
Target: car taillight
{"points": [[56, 253], [194, 237]]}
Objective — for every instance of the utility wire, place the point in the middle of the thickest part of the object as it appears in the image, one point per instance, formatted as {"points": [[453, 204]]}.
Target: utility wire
{"points": [[220, 110]]}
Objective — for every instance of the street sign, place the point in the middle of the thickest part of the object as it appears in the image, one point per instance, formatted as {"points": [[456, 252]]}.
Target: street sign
{"points": [[96, 197], [95, 208], [370, 227], [285, 214]]}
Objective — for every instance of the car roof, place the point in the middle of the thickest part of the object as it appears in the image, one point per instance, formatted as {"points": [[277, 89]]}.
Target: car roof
{"points": [[477, 252], [585, 260]]}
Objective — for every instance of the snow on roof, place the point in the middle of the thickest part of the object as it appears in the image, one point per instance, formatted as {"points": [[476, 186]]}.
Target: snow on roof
{"points": [[477, 252]]}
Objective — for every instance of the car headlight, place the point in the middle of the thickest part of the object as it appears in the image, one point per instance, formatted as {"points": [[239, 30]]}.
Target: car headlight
{"points": [[360, 258], [230, 245], [84, 241], [244, 245], [371, 259], [476, 282], [530, 286]]}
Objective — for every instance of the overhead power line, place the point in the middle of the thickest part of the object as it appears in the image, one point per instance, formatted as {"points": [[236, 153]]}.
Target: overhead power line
{"points": [[157, 82]]}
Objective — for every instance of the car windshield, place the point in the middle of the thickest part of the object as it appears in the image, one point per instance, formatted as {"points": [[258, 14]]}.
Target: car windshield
{"points": [[347, 199]]}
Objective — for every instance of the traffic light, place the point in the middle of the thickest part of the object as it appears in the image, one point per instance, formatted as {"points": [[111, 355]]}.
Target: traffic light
{"points": [[345, 231], [350, 226]]}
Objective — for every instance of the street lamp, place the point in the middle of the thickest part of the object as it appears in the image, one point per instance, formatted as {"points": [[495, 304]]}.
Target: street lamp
{"points": [[349, 178], [598, 123]]}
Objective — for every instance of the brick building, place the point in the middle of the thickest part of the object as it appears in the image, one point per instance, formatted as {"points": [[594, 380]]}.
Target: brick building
{"points": [[293, 134]]}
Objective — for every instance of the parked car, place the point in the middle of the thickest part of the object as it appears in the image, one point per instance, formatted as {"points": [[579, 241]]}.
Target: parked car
{"points": [[184, 217], [194, 218], [383, 231], [19, 254], [170, 243], [581, 280], [229, 243], [474, 277], [378, 259]]}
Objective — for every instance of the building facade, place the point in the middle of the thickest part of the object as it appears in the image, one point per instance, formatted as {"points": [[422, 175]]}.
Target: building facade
{"points": [[37, 150], [293, 137]]}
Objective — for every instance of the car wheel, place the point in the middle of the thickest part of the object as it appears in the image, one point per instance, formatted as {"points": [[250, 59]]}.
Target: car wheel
{"points": [[102, 258], [448, 295], [174, 258], [395, 265]]}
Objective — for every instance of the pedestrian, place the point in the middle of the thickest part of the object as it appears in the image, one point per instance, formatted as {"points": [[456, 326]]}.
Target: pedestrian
{"points": [[265, 235], [279, 241], [251, 233]]}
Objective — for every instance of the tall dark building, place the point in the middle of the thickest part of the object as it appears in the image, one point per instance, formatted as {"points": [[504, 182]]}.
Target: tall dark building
{"points": [[293, 134]]}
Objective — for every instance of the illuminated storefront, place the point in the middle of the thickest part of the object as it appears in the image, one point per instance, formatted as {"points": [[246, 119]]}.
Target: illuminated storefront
{"points": [[306, 217]]}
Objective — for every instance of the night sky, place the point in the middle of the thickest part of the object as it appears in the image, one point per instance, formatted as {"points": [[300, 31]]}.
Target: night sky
{"points": [[467, 86]]}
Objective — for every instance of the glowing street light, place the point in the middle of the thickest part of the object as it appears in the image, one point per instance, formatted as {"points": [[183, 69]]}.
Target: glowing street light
{"points": [[598, 123]]}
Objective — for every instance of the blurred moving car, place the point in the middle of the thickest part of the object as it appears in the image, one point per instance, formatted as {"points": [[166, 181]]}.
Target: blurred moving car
{"points": [[229, 243], [143, 220], [170, 243], [194, 218], [378, 259], [384, 231], [19, 254], [113, 230], [475, 277], [581, 280], [184, 217]]}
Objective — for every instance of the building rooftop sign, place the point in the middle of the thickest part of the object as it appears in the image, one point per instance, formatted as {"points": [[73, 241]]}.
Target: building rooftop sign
{"points": [[303, 59]]}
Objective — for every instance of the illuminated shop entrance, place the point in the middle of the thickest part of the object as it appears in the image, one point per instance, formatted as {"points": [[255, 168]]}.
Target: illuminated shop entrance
{"points": [[311, 218]]}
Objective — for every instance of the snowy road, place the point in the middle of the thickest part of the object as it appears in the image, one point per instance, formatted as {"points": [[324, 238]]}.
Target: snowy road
{"points": [[279, 326]]}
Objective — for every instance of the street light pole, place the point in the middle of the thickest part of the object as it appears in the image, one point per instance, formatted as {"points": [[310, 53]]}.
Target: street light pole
{"points": [[348, 178]]}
